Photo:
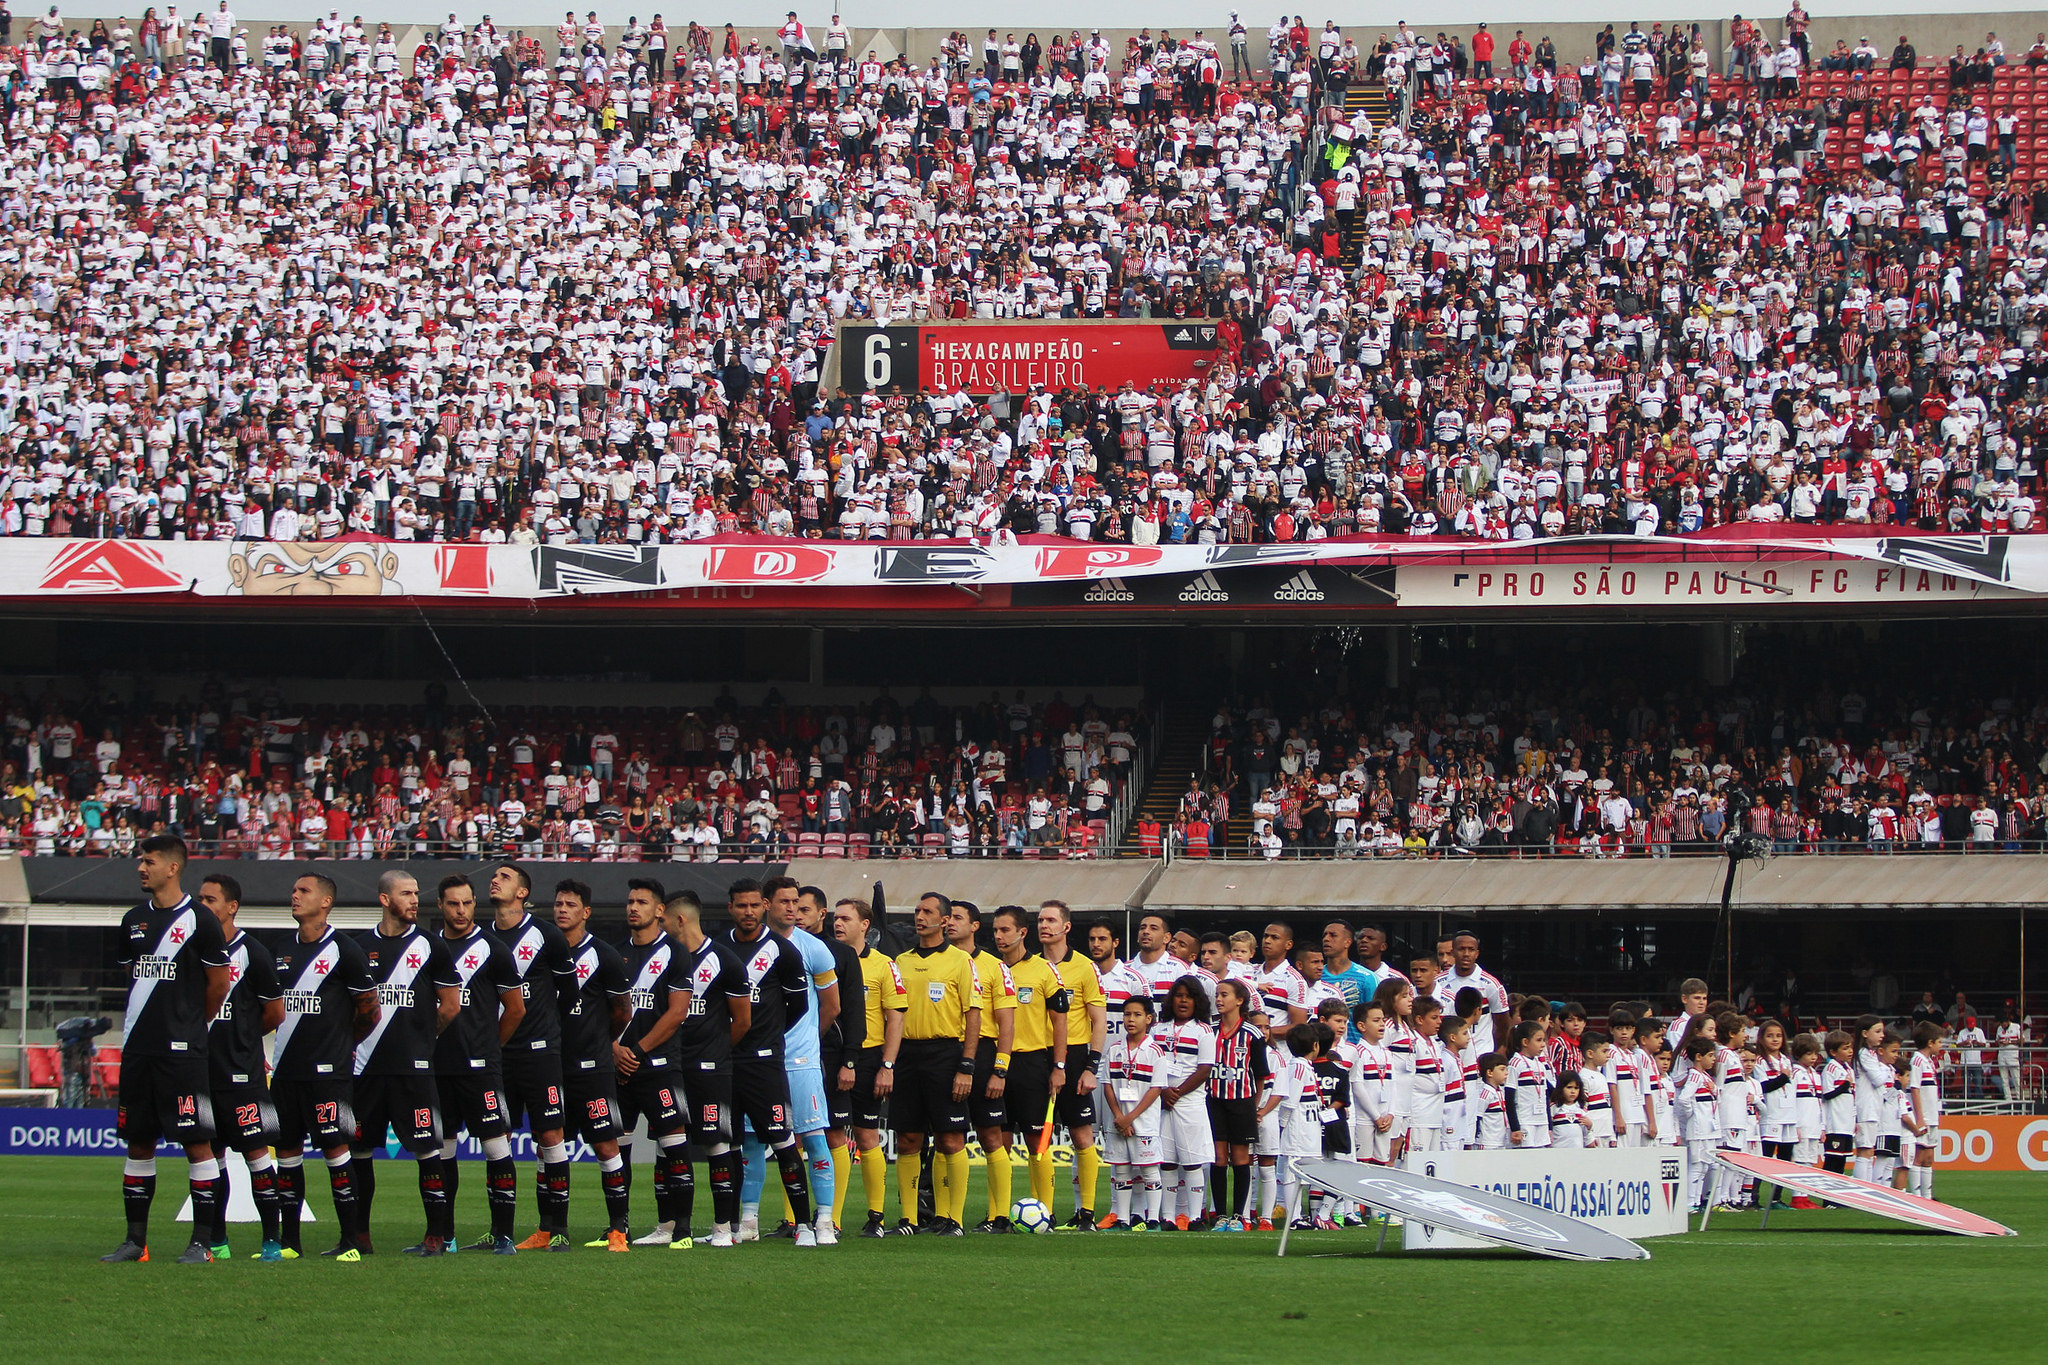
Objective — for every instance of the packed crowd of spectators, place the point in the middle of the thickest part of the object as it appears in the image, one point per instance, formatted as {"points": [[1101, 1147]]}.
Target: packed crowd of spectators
{"points": [[580, 285], [241, 774], [1434, 773]]}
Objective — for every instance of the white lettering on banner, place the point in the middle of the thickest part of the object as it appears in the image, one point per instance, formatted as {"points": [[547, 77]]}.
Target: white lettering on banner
{"points": [[1566, 585], [1629, 1191]]}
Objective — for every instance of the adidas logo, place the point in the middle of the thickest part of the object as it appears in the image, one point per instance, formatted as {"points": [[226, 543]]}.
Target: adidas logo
{"points": [[1109, 590], [1204, 589], [1300, 588]]}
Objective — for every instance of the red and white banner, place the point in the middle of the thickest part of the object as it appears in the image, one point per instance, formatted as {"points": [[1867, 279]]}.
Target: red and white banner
{"points": [[1431, 574], [1881, 1200], [1019, 356]]}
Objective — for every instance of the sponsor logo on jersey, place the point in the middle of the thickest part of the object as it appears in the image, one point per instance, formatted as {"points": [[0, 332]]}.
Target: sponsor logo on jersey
{"points": [[302, 1002], [1204, 589], [152, 967], [1110, 590], [1300, 588]]}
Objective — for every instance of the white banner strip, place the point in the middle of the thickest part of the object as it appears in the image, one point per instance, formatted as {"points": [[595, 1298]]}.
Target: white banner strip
{"points": [[1478, 573]]}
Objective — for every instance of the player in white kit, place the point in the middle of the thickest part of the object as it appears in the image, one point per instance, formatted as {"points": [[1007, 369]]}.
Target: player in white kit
{"points": [[1186, 1144]]}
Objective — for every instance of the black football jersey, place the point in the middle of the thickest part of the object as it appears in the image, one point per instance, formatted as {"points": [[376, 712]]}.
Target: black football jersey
{"points": [[654, 972], [410, 971], [234, 1044], [600, 971], [483, 972], [774, 971], [715, 978], [540, 954], [167, 952], [321, 980]]}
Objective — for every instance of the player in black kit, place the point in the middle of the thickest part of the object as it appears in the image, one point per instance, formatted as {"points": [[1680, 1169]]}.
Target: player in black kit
{"points": [[242, 1108], [418, 996], [779, 988], [657, 1001], [720, 1013], [177, 978], [469, 1064], [330, 1002], [590, 1077], [533, 1054]]}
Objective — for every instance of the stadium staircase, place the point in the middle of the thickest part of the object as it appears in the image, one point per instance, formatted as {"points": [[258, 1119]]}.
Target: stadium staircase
{"points": [[1370, 96], [1180, 757]]}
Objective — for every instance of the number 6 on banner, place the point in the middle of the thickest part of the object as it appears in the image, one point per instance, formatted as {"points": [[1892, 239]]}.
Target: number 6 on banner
{"points": [[879, 362]]}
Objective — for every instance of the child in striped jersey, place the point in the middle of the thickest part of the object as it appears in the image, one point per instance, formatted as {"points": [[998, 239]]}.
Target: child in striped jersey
{"points": [[1568, 1121], [1872, 1077], [1806, 1106], [1427, 1064], [1528, 1089], [1659, 1090], [1891, 1109], [1461, 1074], [1599, 1099], [1490, 1109], [1838, 1102], [1698, 1112], [1924, 1089], [1625, 1080], [1778, 1103], [1372, 1113], [1399, 998], [1302, 1114], [1738, 1097]]}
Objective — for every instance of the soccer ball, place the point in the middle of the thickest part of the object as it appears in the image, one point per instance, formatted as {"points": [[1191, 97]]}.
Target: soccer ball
{"points": [[1031, 1216]]}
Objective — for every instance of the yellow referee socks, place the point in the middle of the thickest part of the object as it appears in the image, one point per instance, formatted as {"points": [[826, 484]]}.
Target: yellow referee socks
{"points": [[1041, 1177], [956, 1185], [874, 1177], [842, 1176], [906, 1181], [999, 1183], [1088, 1166]]}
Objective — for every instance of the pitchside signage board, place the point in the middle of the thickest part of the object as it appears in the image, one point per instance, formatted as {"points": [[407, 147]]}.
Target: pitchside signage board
{"points": [[1629, 1191], [1482, 1214], [1881, 1200], [90, 1132], [1053, 354]]}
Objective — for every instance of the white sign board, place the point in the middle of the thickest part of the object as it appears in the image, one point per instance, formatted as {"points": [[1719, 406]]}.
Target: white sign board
{"points": [[1632, 1192]]}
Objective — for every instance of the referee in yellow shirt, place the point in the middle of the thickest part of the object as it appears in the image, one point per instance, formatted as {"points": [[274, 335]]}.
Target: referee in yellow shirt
{"points": [[883, 1000], [1038, 1057], [935, 1068], [987, 1109], [1087, 1035]]}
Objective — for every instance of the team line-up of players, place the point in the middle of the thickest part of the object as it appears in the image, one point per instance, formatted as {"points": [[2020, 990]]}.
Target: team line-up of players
{"points": [[1207, 1073]]}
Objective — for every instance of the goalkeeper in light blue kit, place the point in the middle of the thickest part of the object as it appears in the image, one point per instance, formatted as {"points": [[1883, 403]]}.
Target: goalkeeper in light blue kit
{"points": [[810, 1117]]}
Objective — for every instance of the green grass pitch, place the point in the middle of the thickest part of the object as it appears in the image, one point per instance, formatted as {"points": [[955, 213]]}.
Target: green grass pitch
{"points": [[1822, 1286]]}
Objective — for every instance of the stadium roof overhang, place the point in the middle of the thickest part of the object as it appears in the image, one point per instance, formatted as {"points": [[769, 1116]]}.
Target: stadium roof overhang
{"points": [[88, 892]]}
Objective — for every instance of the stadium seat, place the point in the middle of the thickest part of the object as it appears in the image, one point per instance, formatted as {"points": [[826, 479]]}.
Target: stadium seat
{"points": [[45, 1067]]}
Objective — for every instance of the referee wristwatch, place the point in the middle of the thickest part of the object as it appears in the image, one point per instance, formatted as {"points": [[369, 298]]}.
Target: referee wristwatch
{"points": [[888, 1066]]}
